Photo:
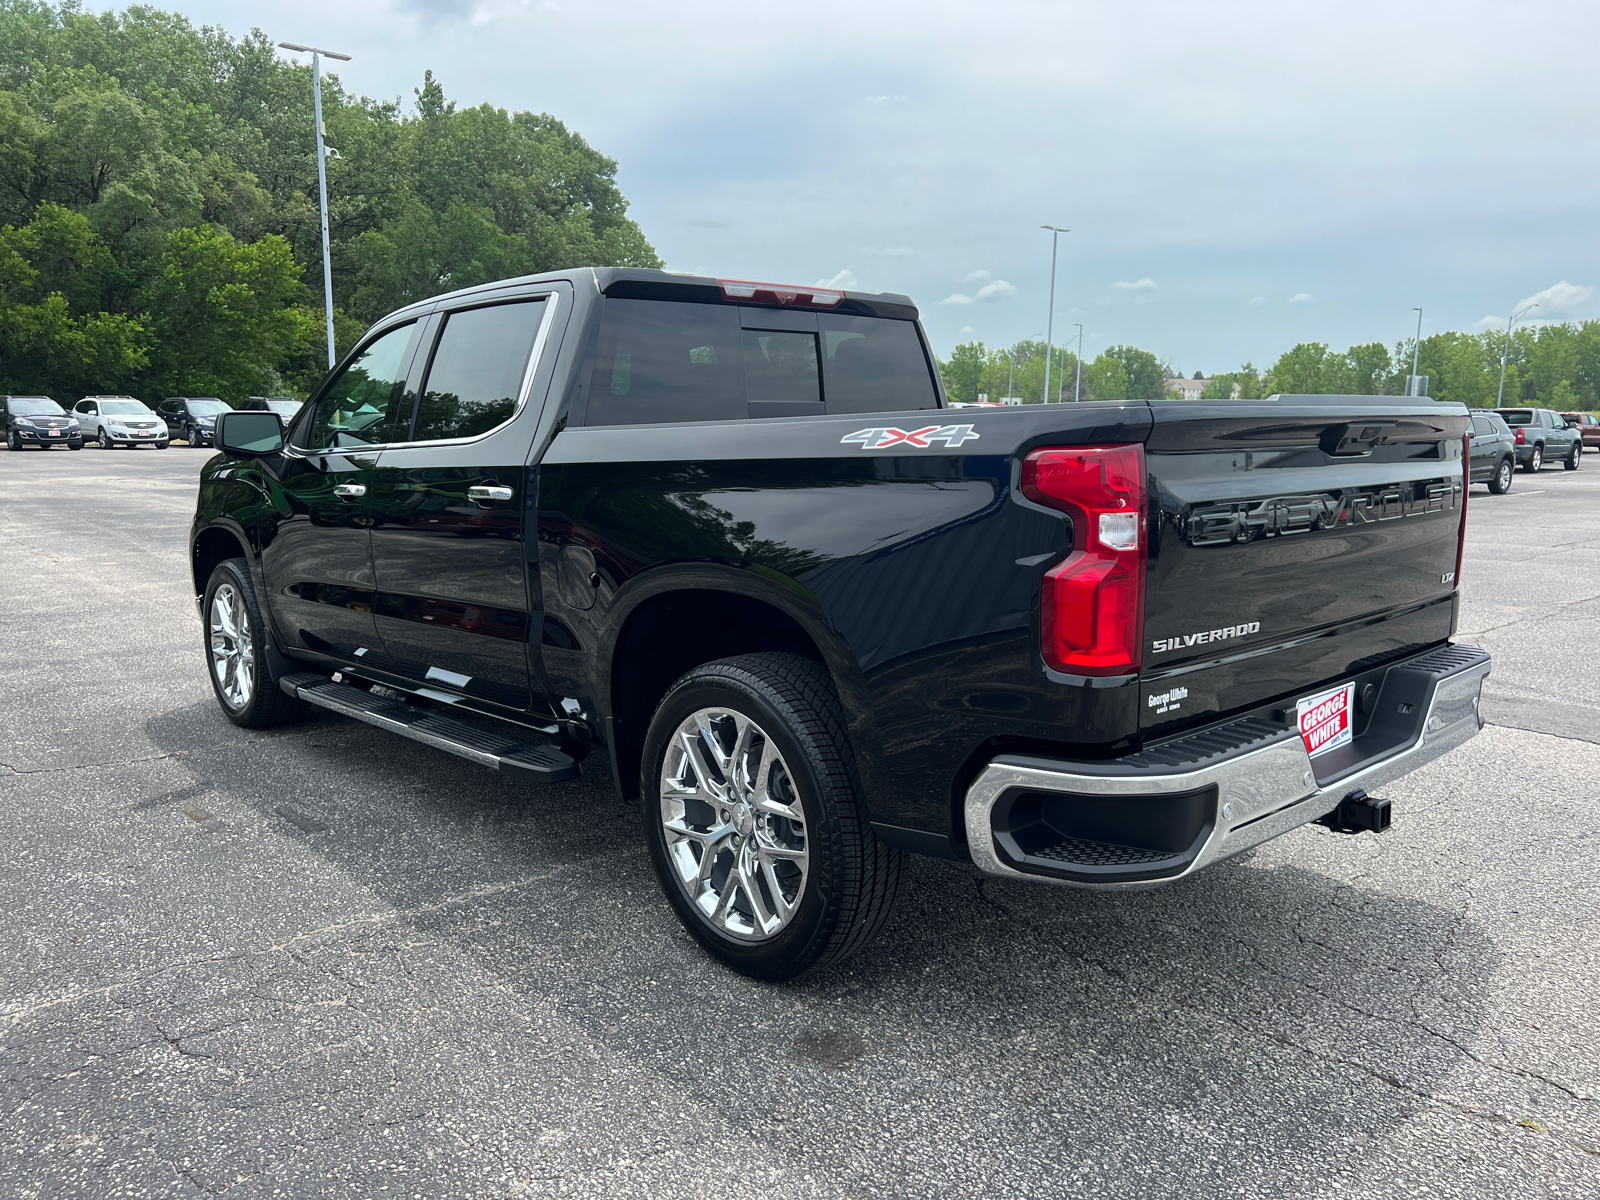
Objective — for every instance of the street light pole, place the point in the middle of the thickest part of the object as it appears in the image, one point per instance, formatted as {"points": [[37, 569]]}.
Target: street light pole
{"points": [[1416, 348], [1505, 350], [322, 175], [1049, 329], [1077, 384]]}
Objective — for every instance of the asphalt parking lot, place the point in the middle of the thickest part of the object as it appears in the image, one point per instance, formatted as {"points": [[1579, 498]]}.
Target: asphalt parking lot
{"points": [[320, 961]]}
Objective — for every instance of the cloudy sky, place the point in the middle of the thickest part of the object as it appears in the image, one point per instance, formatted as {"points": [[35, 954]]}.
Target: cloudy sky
{"points": [[1236, 177]]}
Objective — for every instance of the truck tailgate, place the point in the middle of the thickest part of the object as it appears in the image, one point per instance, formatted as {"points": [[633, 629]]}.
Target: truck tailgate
{"points": [[1294, 543]]}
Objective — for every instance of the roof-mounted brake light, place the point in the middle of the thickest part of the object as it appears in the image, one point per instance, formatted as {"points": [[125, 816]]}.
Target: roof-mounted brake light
{"points": [[785, 294]]}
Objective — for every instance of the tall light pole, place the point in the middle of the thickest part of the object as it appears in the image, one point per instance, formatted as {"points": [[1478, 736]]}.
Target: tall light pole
{"points": [[1077, 384], [1049, 329], [1416, 349], [322, 175], [1505, 350]]}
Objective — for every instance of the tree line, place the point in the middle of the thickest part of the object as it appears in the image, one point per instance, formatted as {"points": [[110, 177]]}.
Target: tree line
{"points": [[1554, 366], [159, 231]]}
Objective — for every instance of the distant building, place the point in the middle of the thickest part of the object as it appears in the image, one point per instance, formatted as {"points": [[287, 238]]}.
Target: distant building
{"points": [[1189, 389]]}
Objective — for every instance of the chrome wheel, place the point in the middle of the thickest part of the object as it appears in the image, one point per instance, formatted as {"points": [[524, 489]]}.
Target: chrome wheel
{"points": [[735, 831], [1505, 477], [233, 658]]}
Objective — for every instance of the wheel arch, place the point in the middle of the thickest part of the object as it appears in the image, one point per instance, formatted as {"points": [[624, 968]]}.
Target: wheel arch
{"points": [[214, 544], [677, 617]]}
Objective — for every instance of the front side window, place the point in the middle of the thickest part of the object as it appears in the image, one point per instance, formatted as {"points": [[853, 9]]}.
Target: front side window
{"points": [[353, 408], [667, 360], [873, 364], [475, 379]]}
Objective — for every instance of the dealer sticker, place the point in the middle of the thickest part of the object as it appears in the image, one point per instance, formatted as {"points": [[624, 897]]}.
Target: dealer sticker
{"points": [[1325, 719]]}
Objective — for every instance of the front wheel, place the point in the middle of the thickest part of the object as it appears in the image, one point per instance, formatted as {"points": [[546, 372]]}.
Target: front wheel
{"points": [[1500, 483], [755, 820], [161, 445], [1570, 463], [236, 642], [13, 442], [105, 441]]}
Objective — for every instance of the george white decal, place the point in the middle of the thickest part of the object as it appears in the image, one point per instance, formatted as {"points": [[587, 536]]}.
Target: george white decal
{"points": [[880, 439]]}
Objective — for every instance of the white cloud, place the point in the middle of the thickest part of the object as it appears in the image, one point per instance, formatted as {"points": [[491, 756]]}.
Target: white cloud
{"points": [[886, 99], [968, 329], [1559, 302], [845, 279], [1257, 301], [889, 251], [994, 287], [1301, 298], [1139, 285]]}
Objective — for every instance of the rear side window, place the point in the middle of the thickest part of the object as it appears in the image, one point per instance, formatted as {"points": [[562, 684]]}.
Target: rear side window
{"points": [[660, 360], [475, 379], [874, 365], [665, 360]]}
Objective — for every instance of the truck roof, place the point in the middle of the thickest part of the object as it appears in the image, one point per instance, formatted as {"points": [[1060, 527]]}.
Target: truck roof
{"points": [[644, 283]]}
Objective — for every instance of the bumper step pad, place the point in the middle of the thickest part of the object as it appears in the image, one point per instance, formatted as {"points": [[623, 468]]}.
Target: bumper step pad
{"points": [[537, 762]]}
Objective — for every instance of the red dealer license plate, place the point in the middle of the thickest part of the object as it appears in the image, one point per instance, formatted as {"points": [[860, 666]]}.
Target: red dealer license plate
{"points": [[1325, 719]]}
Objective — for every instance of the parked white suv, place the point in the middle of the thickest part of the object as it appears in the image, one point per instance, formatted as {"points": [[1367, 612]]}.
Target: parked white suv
{"points": [[121, 420]]}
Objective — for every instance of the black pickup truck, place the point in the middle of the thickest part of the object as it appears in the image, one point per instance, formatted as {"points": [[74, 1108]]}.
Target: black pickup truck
{"points": [[728, 538]]}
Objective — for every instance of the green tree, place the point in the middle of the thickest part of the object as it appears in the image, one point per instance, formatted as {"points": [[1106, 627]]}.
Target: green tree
{"points": [[1106, 378]]}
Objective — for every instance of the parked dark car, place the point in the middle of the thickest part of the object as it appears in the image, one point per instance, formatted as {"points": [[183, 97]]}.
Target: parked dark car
{"points": [[1587, 425], [38, 421], [729, 537], [192, 418], [1494, 452], [285, 406], [1542, 436]]}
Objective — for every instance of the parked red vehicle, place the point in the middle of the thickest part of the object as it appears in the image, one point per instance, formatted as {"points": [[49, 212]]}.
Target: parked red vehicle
{"points": [[1587, 424]]}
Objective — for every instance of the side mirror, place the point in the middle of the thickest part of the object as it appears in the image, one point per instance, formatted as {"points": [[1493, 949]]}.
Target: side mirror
{"points": [[249, 434]]}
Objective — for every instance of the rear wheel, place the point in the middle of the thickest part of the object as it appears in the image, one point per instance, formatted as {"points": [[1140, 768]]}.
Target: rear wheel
{"points": [[1535, 460], [236, 641], [1573, 455], [754, 815], [1500, 481]]}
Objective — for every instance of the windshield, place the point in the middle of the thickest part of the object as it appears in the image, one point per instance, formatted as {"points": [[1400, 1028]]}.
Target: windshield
{"points": [[39, 407], [1519, 416], [131, 408], [287, 408], [207, 407]]}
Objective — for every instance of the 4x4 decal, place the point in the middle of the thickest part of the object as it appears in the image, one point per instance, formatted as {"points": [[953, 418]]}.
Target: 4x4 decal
{"points": [[879, 439]]}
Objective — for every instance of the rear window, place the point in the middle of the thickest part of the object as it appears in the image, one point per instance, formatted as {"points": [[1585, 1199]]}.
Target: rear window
{"points": [[1519, 416], [659, 360]]}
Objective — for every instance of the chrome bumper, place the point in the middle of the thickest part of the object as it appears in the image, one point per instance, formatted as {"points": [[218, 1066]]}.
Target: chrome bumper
{"points": [[1261, 794]]}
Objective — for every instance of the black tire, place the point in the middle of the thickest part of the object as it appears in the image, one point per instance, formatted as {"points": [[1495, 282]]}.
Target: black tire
{"points": [[1500, 481], [266, 703], [74, 445], [105, 441], [1535, 460], [1570, 463], [852, 879], [13, 442], [161, 445]]}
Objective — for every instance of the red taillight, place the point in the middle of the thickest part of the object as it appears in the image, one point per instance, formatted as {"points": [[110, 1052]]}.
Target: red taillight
{"points": [[1466, 486], [1519, 435], [780, 293], [1092, 606]]}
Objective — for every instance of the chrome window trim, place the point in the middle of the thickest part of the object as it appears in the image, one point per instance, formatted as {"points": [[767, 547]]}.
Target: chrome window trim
{"points": [[552, 301]]}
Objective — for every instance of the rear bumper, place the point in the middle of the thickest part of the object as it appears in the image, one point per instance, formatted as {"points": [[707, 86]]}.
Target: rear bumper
{"points": [[1177, 808]]}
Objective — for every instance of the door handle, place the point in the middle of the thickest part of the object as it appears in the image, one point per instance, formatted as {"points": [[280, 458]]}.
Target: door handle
{"points": [[349, 490], [487, 495]]}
